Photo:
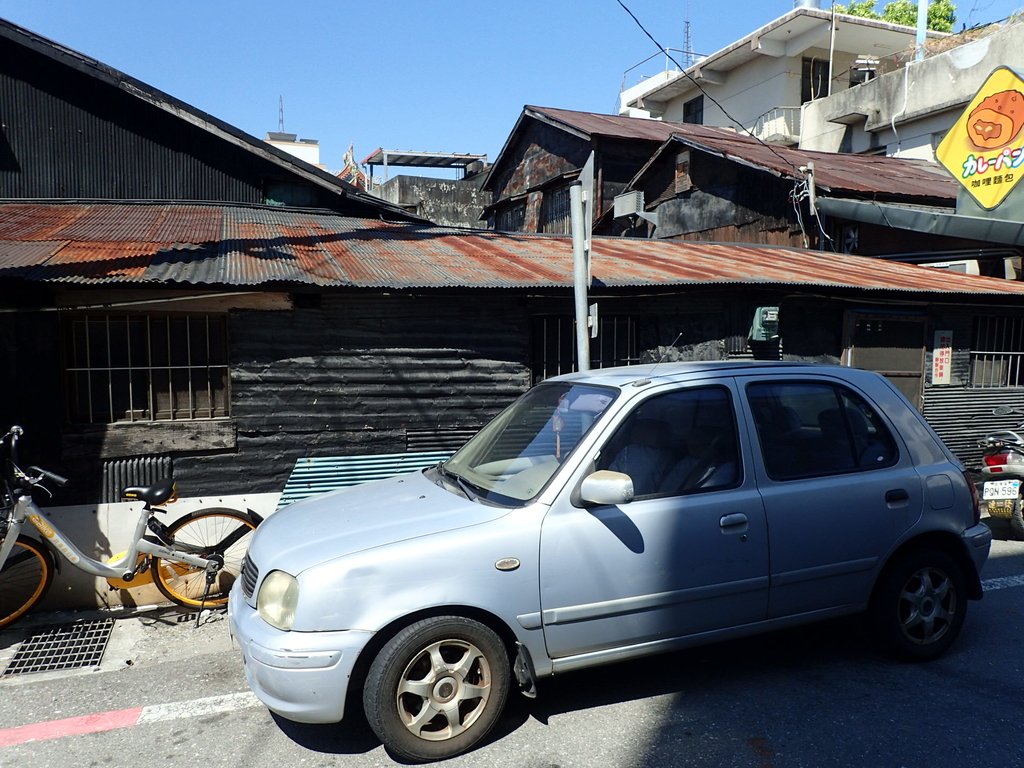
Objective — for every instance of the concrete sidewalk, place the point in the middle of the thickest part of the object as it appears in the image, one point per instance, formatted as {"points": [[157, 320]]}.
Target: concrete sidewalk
{"points": [[137, 636]]}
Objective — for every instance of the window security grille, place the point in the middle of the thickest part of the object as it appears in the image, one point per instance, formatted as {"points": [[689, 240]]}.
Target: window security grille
{"points": [[555, 215], [554, 345], [127, 367], [997, 354], [511, 219]]}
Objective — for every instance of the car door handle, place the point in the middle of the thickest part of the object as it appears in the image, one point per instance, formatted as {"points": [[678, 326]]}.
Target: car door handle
{"points": [[897, 496], [731, 521]]}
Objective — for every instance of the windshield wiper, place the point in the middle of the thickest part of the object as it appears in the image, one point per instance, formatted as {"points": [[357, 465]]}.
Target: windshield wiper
{"points": [[463, 484]]}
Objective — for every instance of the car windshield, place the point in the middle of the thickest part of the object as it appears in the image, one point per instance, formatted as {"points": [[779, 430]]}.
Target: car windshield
{"points": [[512, 458]]}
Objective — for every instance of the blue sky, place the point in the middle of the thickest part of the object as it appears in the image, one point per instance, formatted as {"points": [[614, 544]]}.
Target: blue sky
{"points": [[424, 75]]}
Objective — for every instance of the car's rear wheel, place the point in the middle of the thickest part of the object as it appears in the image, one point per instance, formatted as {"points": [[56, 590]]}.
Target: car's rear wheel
{"points": [[920, 604], [437, 688]]}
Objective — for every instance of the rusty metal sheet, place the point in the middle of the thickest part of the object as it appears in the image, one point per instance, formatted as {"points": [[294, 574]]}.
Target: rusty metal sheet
{"points": [[869, 174], [889, 177], [238, 245]]}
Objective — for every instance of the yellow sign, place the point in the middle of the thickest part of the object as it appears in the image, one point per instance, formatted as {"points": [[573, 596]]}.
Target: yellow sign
{"points": [[984, 150]]}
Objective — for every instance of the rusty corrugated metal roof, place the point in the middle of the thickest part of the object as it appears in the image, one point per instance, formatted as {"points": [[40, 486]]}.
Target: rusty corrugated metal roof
{"points": [[614, 126], [876, 175], [888, 177], [93, 243]]}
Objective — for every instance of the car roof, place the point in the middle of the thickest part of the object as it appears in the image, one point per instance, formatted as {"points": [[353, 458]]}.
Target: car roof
{"points": [[667, 372]]}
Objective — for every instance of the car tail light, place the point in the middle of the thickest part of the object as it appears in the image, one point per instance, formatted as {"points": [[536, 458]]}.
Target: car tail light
{"points": [[974, 498], [1003, 459]]}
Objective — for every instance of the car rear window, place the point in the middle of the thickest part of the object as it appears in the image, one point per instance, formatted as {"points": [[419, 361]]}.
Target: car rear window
{"points": [[810, 429]]}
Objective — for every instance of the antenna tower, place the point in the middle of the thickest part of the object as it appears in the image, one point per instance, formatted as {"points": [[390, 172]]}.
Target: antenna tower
{"points": [[280, 114], [687, 41]]}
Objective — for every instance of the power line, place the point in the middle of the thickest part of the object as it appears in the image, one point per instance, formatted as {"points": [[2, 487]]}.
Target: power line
{"points": [[796, 195], [700, 88]]}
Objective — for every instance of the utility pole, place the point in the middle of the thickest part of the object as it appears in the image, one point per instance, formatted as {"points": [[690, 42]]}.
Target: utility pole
{"points": [[581, 216], [922, 28]]}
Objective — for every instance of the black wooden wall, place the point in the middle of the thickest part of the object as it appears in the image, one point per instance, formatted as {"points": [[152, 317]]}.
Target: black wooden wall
{"points": [[67, 132], [360, 372]]}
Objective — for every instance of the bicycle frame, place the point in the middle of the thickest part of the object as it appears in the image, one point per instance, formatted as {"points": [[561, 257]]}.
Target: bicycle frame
{"points": [[25, 509]]}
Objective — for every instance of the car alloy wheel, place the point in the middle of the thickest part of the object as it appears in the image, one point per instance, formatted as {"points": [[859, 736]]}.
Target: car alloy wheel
{"points": [[920, 604], [437, 688]]}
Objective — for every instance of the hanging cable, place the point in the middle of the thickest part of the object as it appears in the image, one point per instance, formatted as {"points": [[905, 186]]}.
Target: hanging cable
{"points": [[700, 88]]}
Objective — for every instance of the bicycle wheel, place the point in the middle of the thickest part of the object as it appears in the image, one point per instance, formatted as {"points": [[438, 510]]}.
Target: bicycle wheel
{"points": [[213, 534], [24, 579]]}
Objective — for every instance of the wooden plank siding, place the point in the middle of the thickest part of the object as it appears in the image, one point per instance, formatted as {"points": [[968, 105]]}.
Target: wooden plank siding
{"points": [[366, 373], [351, 373]]}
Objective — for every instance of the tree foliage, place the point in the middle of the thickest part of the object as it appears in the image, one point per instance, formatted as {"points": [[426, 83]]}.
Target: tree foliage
{"points": [[864, 9], [941, 13]]}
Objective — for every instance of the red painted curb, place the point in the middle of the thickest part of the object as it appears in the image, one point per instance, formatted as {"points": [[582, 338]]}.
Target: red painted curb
{"points": [[72, 726]]}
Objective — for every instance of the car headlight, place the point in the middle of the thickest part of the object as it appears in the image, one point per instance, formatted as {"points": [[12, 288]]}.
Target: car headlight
{"points": [[278, 596]]}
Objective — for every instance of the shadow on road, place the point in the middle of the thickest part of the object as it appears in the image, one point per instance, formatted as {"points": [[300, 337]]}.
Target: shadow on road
{"points": [[816, 693]]}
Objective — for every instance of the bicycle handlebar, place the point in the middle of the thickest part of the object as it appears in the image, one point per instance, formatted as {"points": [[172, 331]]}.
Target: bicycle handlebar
{"points": [[35, 475], [53, 477], [13, 433]]}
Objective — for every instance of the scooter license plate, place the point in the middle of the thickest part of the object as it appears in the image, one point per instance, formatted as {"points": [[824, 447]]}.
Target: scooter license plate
{"points": [[1001, 489]]}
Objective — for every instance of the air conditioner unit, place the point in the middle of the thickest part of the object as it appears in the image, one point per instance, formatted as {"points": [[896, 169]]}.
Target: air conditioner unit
{"points": [[632, 204], [629, 204]]}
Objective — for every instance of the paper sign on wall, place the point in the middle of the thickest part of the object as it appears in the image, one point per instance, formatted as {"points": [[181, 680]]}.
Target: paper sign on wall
{"points": [[942, 357]]}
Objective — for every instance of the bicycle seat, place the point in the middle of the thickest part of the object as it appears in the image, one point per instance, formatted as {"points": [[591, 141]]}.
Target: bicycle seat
{"points": [[158, 493]]}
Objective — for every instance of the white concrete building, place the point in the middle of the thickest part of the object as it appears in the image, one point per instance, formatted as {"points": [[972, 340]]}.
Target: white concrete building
{"points": [[906, 113], [304, 149], [762, 81]]}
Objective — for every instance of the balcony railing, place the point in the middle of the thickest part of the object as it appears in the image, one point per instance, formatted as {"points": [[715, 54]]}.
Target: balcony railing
{"points": [[779, 124]]}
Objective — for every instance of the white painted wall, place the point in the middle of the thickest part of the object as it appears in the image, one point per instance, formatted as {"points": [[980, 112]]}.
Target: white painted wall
{"points": [[908, 111], [302, 150], [106, 529], [749, 91]]}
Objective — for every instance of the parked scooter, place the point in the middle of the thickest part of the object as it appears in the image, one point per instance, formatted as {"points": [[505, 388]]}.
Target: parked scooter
{"points": [[1002, 472]]}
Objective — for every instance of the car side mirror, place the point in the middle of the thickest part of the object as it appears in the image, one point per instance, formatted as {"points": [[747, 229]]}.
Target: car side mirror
{"points": [[606, 487]]}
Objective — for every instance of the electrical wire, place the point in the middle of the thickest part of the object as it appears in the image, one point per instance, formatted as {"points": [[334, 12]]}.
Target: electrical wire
{"points": [[800, 179], [700, 88]]}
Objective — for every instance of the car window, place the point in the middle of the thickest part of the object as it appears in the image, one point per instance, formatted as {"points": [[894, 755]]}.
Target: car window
{"points": [[677, 443], [810, 429], [512, 458]]}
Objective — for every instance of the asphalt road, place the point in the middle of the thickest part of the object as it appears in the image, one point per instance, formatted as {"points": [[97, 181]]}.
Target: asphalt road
{"points": [[817, 696]]}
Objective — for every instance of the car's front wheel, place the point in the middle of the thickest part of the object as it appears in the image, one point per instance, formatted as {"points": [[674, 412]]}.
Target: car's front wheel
{"points": [[920, 604], [436, 688]]}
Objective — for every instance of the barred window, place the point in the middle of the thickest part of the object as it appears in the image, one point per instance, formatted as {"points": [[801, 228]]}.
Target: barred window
{"points": [[997, 351], [554, 345], [555, 215], [140, 367], [511, 218]]}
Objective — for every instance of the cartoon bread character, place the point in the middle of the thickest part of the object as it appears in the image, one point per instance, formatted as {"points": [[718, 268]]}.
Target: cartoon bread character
{"points": [[996, 120]]}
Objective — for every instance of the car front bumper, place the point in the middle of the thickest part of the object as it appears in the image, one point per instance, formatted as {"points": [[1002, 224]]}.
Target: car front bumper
{"points": [[302, 676]]}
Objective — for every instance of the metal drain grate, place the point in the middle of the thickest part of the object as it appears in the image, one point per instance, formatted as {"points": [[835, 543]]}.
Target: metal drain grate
{"points": [[69, 647]]}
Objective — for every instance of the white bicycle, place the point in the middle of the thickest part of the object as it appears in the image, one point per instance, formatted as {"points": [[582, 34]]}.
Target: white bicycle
{"points": [[193, 561]]}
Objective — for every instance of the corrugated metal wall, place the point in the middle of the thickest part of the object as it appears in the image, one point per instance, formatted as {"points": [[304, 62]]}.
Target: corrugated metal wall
{"points": [[373, 374], [351, 373], [963, 415], [67, 135], [135, 472]]}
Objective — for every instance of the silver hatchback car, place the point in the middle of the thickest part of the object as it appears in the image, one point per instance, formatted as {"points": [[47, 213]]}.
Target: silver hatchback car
{"points": [[605, 516]]}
